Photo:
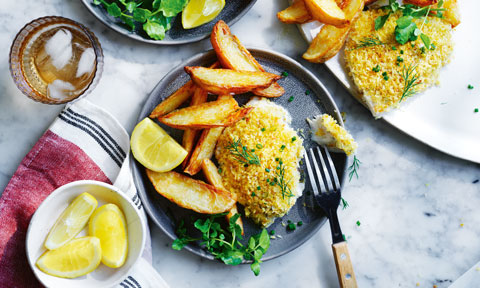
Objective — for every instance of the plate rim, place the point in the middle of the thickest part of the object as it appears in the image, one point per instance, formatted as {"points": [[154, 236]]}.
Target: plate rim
{"points": [[134, 36], [205, 54]]}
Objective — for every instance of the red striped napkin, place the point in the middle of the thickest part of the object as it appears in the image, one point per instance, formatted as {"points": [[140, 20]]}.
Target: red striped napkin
{"points": [[84, 142]]}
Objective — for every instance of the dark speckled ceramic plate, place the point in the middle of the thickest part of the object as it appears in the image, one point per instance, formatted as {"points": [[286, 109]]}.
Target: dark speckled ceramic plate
{"points": [[166, 214], [231, 13]]}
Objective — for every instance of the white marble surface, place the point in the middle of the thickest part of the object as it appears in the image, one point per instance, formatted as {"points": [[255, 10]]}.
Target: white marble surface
{"points": [[410, 199]]}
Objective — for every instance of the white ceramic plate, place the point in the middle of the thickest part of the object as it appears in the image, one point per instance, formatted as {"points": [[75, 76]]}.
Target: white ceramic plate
{"points": [[442, 116], [49, 211]]}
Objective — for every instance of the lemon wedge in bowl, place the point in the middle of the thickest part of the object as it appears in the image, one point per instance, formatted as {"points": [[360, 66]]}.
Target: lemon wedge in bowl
{"points": [[154, 148], [72, 220], [199, 12], [108, 224], [74, 259]]}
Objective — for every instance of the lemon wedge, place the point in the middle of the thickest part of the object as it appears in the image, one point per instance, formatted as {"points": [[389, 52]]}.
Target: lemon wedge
{"points": [[199, 12], [72, 220], [154, 148], [108, 224], [76, 258]]}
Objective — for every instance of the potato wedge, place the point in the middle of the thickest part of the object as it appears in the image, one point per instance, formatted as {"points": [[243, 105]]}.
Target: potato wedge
{"points": [[330, 39], [204, 149], [233, 55], [191, 194], [211, 173], [237, 116], [420, 2], [297, 13], [174, 101], [208, 140], [226, 81], [177, 98], [213, 178], [451, 13], [326, 44], [206, 115], [327, 12], [190, 135]]}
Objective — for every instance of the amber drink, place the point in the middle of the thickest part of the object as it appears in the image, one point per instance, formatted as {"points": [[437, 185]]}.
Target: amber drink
{"points": [[55, 60]]}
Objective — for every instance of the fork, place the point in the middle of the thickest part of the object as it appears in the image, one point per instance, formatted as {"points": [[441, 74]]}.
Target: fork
{"points": [[328, 198]]}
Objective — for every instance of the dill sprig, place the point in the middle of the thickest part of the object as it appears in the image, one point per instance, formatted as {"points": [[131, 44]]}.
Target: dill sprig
{"points": [[280, 179], [242, 154], [352, 170], [411, 81], [369, 42], [344, 203]]}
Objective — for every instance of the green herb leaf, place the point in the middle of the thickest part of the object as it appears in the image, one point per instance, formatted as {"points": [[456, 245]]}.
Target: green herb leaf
{"points": [[281, 181], [232, 258], [425, 40], [156, 4], [344, 203], [255, 266], [154, 29], [369, 42], [264, 240], [353, 168], [130, 6], [405, 30], [410, 77], [128, 21], [251, 243], [141, 15], [178, 244], [381, 20], [242, 154], [257, 255], [202, 225], [171, 8], [114, 10]]}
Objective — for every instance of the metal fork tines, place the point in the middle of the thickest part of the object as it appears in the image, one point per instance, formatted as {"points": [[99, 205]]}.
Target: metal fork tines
{"points": [[325, 185], [328, 198]]}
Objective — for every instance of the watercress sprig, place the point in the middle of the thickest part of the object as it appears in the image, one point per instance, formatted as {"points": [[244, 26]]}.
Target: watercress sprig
{"points": [[155, 16], [225, 244], [406, 30]]}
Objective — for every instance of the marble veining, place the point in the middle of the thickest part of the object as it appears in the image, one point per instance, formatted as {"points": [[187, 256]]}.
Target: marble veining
{"points": [[418, 208]]}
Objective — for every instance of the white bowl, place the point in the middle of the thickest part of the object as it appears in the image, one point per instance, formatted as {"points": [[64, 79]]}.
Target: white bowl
{"points": [[49, 211]]}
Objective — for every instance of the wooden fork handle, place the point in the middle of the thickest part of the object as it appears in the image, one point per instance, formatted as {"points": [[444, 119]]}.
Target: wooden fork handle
{"points": [[346, 277]]}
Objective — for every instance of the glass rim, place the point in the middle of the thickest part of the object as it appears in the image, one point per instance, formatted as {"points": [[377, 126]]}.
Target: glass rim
{"points": [[17, 50]]}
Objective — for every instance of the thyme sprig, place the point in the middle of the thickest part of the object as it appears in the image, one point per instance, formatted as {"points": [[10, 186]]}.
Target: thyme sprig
{"points": [[242, 154], [353, 169], [281, 181], [369, 42], [410, 77]]}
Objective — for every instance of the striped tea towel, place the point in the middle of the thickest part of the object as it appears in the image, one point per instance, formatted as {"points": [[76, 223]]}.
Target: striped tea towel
{"points": [[84, 142]]}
